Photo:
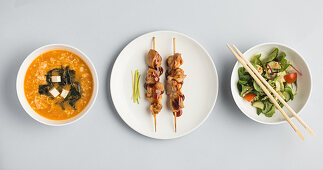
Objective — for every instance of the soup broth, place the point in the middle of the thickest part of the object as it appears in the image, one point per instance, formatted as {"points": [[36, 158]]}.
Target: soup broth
{"points": [[58, 85]]}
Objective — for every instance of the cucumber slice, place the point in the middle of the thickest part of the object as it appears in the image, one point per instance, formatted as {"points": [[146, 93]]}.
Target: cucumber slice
{"points": [[267, 108], [258, 104], [290, 92], [258, 111], [286, 96], [256, 86], [271, 112]]}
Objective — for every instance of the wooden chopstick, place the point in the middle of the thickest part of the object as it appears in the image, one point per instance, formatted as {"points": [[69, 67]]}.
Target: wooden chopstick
{"points": [[274, 92], [266, 91]]}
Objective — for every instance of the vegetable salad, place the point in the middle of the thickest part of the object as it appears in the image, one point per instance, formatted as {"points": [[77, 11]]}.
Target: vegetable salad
{"points": [[278, 72]]}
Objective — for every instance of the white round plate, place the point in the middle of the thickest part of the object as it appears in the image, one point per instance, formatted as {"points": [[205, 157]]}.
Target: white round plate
{"points": [[303, 81], [200, 86]]}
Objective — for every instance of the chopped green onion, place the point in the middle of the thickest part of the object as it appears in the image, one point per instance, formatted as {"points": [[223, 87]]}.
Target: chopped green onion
{"points": [[135, 85], [139, 88], [133, 89]]}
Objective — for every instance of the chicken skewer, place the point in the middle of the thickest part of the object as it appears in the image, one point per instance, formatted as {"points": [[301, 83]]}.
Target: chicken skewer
{"points": [[175, 78], [175, 116], [154, 89]]}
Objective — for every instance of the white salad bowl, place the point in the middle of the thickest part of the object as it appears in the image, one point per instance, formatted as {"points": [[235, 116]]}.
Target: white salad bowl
{"points": [[304, 83], [21, 76]]}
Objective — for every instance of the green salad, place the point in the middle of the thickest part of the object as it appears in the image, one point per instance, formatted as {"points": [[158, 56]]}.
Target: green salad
{"points": [[278, 72]]}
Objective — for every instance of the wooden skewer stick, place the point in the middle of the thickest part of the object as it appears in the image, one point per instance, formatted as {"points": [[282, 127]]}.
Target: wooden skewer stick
{"points": [[155, 122], [266, 91], [275, 93], [175, 121], [154, 42], [174, 46], [175, 114]]}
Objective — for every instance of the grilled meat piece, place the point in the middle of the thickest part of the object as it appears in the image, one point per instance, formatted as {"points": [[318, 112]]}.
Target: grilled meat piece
{"points": [[176, 102], [176, 74], [155, 108], [154, 93], [152, 76], [173, 86], [154, 59], [174, 61]]}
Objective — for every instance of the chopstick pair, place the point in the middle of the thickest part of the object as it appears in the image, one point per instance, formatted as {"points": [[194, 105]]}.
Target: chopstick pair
{"points": [[261, 81]]}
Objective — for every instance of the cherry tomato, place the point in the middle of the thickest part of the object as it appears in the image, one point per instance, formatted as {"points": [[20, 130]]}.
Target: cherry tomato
{"points": [[290, 78], [249, 97]]}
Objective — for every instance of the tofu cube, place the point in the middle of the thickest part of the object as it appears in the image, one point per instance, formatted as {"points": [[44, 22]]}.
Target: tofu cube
{"points": [[64, 93], [54, 92], [56, 79]]}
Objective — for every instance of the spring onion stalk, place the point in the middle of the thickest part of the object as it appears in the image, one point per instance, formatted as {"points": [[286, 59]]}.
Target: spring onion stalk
{"points": [[133, 89], [139, 87], [135, 85]]}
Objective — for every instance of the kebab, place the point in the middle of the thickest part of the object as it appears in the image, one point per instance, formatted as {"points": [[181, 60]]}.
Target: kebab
{"points": [[154, 89], [174, 82]]}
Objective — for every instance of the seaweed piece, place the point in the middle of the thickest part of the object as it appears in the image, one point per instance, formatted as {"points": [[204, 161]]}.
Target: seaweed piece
{"points": [[69, 75], [60, 88], [61, 73], [77, 86], [50, 74], [74, 95], [72, 76], [49, 78], [67, 78], [44, 89]]}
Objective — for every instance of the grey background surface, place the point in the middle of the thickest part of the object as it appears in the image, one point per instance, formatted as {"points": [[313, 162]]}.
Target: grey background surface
{"points": [[101, 140]]}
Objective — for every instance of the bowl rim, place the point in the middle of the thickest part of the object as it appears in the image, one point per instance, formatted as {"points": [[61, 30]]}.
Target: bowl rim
{"points": [[213, 66], [21, 76], [301, 57]]}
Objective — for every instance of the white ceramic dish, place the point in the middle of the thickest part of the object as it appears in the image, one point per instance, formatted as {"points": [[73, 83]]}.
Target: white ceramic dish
{"points": [[21, 76], [200, 86], [304, 83]]}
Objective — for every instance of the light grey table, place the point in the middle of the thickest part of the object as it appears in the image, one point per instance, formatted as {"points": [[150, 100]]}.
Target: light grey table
{"points": [[101, 140]]}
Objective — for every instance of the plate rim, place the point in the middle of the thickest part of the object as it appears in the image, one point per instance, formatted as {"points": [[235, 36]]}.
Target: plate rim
{"points": [[310, 77], [214, 69]]}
